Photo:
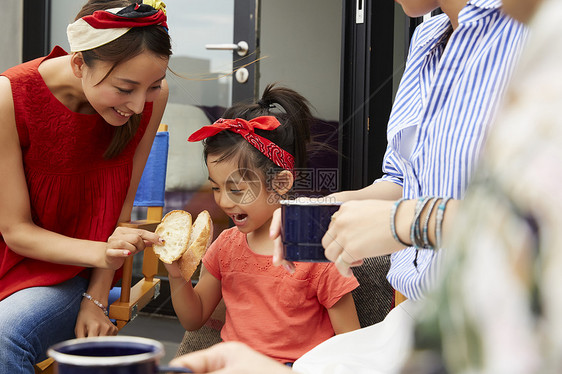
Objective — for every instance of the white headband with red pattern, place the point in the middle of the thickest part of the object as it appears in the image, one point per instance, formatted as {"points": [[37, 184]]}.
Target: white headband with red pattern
{"points": [[105, 26]]}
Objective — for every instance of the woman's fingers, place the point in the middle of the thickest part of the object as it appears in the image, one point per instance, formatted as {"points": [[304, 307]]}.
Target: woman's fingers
{"points": [[126, 241], [275, 235], [117, 253], [109, 329], [335, 252], [332, 247], [275, 226], [278, 252], [149, 236], [335, 242], [103, 328]]}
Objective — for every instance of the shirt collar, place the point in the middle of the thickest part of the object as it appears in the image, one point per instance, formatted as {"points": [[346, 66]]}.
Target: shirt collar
{"points": [[486, 4], [438, 25], [478, 9], [466, 15]]}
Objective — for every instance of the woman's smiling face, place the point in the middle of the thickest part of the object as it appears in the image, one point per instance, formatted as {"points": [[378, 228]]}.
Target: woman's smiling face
{"points": [[126, 89]]}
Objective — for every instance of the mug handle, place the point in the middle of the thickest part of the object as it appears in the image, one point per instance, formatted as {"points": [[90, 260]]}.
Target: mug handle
{"points": [[170, 369]]}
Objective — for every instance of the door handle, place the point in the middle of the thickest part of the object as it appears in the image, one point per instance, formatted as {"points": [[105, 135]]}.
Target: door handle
{"points": [[241, 48]]}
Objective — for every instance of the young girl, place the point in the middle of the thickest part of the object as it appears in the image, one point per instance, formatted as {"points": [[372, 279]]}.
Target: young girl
{"points": [[251, 155], [75, 132]]}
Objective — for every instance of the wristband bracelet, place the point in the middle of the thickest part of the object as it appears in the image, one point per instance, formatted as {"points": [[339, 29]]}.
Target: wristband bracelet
{"points": [[425, 237], [393, 222], [100, 305], [439, 221], [415, 232]]}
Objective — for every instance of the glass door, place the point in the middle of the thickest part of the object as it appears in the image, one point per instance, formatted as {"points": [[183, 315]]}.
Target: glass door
{"points": [[204, 76], [200, 83], [210, 40]]}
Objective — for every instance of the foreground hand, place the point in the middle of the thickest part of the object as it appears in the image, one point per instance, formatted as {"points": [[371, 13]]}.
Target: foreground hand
{"points": [[125, 242], [92, 321], [359, 229], [230, 357], [275, 235]]}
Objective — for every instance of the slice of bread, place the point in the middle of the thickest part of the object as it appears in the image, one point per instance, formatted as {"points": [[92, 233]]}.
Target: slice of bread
{"points": [[175, 230], [201, 237]]}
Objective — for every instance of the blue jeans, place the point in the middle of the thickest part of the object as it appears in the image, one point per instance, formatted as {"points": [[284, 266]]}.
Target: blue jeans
{"points": [[33, 319]]}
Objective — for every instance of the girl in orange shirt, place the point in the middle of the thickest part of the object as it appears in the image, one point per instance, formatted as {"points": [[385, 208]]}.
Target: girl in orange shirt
{"points": [[251, 155]]}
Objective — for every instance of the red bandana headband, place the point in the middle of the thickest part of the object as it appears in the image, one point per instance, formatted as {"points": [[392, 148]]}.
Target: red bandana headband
{"points": [[104, 26], [278, 155]]}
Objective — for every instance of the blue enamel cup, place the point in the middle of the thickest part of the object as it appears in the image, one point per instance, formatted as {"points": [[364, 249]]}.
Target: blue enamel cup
{"points": [[109, 355], [304, 222]]}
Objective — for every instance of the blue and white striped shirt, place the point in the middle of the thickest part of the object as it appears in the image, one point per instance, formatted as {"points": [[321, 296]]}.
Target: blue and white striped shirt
{"points": [[448, 96]]}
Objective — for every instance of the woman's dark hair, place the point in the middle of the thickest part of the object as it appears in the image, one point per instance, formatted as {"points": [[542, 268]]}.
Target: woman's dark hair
{"points": [[137, 40], [293, 112]]}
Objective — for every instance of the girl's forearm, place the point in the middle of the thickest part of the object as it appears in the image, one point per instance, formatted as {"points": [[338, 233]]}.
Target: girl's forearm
{"points": [[187, 303]]}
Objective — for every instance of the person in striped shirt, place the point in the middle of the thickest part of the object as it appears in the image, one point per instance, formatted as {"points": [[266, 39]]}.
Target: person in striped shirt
{"points": [[458, 66], [457, 69]]}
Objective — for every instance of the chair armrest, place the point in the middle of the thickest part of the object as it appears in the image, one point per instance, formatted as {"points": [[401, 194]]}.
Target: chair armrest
{"points": [[134, 298]]}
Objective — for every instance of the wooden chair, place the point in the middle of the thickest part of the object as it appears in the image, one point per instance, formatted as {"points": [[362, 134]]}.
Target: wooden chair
{"points": [[150, 194], [373, 297], [398, 298]]}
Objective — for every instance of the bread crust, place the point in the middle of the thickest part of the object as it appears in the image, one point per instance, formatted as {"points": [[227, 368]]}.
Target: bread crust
{"points": [[176, 238], [201, 238]]}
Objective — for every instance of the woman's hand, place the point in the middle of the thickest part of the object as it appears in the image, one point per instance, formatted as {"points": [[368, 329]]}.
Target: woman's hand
{"points": [[275, 235], [359, 229], [230, 357], [92, 321], [125, 242]]}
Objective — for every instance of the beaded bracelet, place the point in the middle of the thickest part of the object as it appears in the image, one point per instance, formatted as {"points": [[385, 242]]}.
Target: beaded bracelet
{"points": [[99, 304], [393, 221], [415, 232], [439, 221], [425, 240]]}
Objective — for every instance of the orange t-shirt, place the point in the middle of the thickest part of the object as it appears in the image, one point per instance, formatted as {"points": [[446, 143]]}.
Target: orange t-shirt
{"points": [[279, 314]]}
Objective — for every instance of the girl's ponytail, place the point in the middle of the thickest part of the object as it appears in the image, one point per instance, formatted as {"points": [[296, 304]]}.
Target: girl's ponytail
{"points": [[295, 117], [293, 112]]}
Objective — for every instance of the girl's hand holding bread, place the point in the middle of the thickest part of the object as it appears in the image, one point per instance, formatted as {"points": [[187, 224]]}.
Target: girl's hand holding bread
{"points": [[184, 242]]}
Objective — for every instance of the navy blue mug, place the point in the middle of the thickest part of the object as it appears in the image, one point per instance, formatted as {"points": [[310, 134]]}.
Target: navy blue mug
{"points": [[110, 355], [303, 224]]}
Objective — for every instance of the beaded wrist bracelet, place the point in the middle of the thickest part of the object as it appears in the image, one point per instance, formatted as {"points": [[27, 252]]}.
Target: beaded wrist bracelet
{"points": [[393, 221], [425, 240], [415, 232], [99, 304], [439, 221]]}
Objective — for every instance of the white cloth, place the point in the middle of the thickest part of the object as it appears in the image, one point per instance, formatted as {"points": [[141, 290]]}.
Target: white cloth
{"points": [[378, 349], [83, 37]]}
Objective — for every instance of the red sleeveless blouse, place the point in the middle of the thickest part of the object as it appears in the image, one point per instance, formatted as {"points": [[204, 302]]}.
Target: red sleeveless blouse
{"points": [[73, 190]]}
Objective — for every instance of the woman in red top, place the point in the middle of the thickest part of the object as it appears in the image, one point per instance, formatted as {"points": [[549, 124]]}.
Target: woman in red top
{"points": [[75, 132]]}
